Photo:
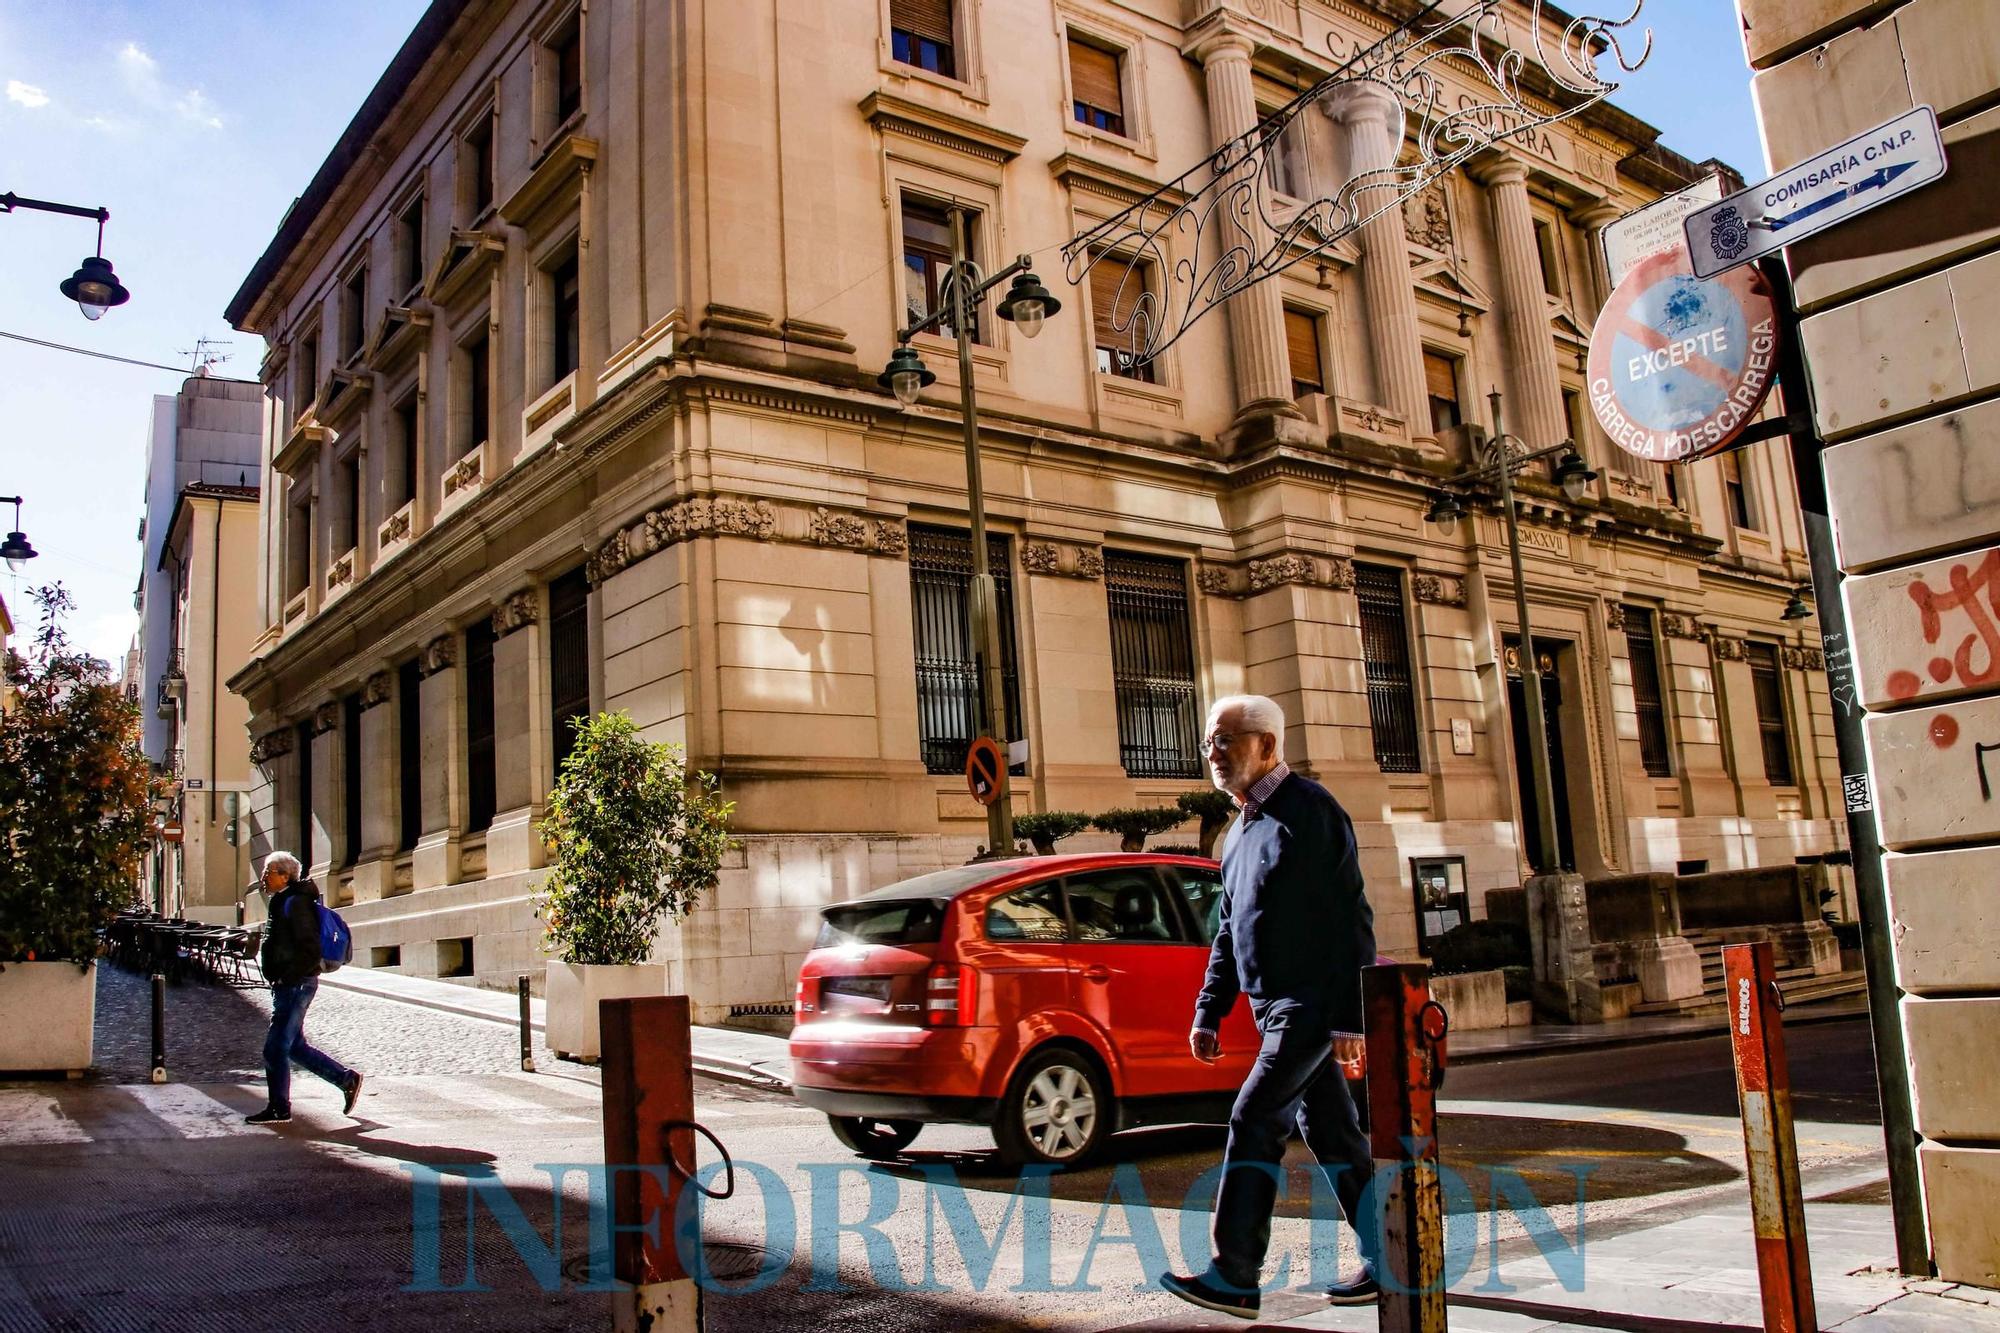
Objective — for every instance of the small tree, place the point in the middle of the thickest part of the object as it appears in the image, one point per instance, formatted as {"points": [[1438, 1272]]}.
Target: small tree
{"points": [[1213, 808], [633, 838], [75, 793], [1049, 827], [1134, 826]]}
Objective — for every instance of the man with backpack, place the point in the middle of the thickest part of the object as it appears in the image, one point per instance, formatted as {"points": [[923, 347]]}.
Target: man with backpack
{"points": [[291, 959]]}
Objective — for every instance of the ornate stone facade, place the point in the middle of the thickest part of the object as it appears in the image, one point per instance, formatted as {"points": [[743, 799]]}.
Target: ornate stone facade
{"points": [[440, 654], [1439, 589], [516, 611], [1062, 558], [378, 689]]}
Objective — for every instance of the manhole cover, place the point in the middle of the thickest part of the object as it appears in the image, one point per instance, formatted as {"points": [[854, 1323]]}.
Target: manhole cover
{"points": [[728, 1261]]}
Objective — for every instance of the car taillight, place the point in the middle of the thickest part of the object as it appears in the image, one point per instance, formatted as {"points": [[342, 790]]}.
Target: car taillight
{"points": [[805, 998], [948, 996]]}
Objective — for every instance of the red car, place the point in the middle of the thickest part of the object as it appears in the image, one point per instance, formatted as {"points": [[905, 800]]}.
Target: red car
{"points": [[1049, 998]]}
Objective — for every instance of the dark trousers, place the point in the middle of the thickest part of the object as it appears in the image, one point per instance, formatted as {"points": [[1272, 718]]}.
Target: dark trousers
{"points": [[1294, 1082], [285, 1045]]}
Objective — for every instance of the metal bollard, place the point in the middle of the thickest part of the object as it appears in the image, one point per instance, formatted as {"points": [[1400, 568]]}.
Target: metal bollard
{"points": [[1406, 1030], [527, 1032], [1764, 1087], [647, 1062], [159, 1074]]}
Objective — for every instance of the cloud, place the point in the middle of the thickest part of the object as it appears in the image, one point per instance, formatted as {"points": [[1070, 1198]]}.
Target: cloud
{"points": [[143, 78], [194, 105], [27, 94]]}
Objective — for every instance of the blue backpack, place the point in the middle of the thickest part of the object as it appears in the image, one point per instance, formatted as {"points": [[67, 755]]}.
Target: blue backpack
{"points": [[336, 942]]}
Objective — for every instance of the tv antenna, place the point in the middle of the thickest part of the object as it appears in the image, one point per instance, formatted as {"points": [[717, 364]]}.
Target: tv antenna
{"points": [[204, 355]]}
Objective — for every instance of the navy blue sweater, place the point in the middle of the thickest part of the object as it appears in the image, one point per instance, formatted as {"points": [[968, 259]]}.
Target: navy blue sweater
{"points": [[1295, 923]]}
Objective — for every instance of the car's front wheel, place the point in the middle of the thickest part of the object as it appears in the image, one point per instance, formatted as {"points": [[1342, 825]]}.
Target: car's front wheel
{"points": [[1057, 1110], [873, 1138]]}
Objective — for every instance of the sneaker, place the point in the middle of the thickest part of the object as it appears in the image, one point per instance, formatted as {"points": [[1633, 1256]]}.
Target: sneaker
{"points": [[1201, 1291], [1361, 1289], [270, 1115], [353, 1091]]}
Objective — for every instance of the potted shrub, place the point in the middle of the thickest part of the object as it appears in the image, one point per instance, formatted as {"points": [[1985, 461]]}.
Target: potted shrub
{"points": [[633, 838], [1213, 808], [1134, 826], [75, 811], [1048, 828]]}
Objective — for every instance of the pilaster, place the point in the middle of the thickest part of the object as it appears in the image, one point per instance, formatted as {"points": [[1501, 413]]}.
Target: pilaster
{"points": [[1534, 404], [521, 749], [375, 871], [436, 859]]}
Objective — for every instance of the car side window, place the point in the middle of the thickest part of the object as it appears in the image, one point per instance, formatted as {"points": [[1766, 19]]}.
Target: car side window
{"points": [[1202, 890], [1127, 906], [1034, 913]]}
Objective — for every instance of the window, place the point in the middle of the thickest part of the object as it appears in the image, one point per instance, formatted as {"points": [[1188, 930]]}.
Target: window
{"points": [[927, 261], [298, 548], [565, 318], [1736, 489], [1673, 485], [1768, 691], [1549, 247], [406, 444], [949, 712], [1202, 891], [569, 659], [354, 315], [349, 535], [566, 60], [476, 161], [350, 777], [480, 775], [478, 380], [1097, 94], [1152, 665], [409, 755], [1302, 347], [920, 34], [1285, 161], [1385, 648], [1441, 383], [302, 747], [1034, 913], [1647, 700], [1121, 309], [1573, 418], [1122, 907], [410, 246], [307, 387]]}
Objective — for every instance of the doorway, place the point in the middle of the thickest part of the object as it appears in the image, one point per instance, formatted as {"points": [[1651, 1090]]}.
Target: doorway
{"points": [[1547, 652]]}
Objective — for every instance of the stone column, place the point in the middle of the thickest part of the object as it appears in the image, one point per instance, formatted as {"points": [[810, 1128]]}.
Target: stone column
{"points": [[325, 759], [375, 870], [520, 735], [435, 861], [1534, 403], [1370, 124], [1257, 315], [1592, 219]]}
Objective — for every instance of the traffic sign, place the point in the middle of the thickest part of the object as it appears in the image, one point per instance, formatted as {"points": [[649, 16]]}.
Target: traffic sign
{"points": [[1645, 232], [985, 770], [1866, 172], [170, 832], [1679, 364]]}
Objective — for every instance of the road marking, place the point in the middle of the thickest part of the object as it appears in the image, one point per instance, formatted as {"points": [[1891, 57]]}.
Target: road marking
{"points": [[188, 1112], [30, 1118]]}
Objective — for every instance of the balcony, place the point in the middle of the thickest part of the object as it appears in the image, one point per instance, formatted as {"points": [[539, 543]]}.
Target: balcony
{"points": [[173, 686]]}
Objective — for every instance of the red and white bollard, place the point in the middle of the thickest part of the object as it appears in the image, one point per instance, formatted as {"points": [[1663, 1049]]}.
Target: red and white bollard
{"points": [[1764, 1086], [648, 1068], [1406, 1031]]}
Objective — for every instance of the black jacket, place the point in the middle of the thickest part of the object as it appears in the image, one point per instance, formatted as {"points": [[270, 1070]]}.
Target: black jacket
{"points": [[1295, 921], [291, 951]]}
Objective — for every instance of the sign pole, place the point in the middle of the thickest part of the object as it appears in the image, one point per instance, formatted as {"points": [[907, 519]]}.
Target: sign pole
{"points": [[1544, 795]]}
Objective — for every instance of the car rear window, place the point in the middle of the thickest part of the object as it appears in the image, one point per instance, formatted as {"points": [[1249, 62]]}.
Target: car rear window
{"points": [[915, 921]]}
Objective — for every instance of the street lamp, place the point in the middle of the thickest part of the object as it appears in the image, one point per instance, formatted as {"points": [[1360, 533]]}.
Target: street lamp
{"points": [[16, 550], [1498, 462], [1797, 608], [1026, 305], [94, 287]]}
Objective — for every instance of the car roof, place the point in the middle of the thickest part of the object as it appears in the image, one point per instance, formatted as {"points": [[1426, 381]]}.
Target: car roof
{"points": [[942, 885]]}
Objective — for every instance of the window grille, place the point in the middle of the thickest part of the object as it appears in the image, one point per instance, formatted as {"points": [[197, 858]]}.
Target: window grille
{"points": [[410, 755], [949, 708], [1152, 665], [1385, 648], [479, 760], [569, 660], [1644, 653], [1767, 688]]}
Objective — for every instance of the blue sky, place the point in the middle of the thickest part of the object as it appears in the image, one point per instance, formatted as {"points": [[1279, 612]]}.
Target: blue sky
{"points": [[197, 125]]}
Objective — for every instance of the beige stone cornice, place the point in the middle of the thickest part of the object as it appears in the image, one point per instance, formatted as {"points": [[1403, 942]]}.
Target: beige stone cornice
{"points": [[553, 183], [300, 446], [1120, 186], [891, 114], [468, 257], [397, 338], [347, 388], [1287, 567], [709, 515]]}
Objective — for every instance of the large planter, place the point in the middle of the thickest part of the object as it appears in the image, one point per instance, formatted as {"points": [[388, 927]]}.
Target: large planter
{"points": [[572, 994], [46, 1014]]}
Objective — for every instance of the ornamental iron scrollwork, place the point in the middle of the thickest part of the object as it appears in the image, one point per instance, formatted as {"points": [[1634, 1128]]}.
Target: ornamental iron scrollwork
{"points": [[1222, 226]]}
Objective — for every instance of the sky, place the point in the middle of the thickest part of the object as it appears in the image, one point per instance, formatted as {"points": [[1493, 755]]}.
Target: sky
{"points": [[198, 134]]}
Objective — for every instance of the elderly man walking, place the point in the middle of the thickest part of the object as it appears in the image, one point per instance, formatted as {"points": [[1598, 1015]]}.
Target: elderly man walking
{"points": [[290, 959], [1295, 932]]}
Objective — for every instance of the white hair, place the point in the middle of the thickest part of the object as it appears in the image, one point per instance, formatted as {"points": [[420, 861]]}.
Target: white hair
{"points": [[286, 862], [1259, 714]]}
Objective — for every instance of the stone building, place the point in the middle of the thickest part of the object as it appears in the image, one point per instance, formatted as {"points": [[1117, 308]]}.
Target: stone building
{"points": [[1904, 364], [572, 404]]}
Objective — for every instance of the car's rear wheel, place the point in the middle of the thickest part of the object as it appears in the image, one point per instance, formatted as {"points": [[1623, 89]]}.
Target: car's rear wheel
{"points": [[1057, 1111], [873, 1138]]}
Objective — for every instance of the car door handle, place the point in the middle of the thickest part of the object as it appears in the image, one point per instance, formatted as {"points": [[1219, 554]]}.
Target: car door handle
{"points": [[1097, 972]]}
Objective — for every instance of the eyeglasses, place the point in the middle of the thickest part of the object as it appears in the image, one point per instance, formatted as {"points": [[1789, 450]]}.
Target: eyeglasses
{"points": [[1222, 742]]}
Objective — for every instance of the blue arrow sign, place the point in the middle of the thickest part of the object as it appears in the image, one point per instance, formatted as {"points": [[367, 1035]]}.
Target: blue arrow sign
{"points": [[1874, 182]]}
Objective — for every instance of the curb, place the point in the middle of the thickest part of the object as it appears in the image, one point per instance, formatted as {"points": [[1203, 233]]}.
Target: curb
{"points": [[1797, 1018], [462, 1010]]}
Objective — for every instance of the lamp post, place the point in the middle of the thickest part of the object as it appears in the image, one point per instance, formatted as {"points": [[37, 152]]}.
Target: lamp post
{"points": [[16, 550], [1499, 461], [1026, 305], [94, 287]]}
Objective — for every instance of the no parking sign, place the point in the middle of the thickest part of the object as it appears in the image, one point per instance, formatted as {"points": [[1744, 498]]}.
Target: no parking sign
{"points": [[1678, 364]]}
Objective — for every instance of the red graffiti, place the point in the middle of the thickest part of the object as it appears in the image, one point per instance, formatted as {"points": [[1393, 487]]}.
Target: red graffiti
{"points": [[1904, 684], [1965, 595], [1944, 731]]}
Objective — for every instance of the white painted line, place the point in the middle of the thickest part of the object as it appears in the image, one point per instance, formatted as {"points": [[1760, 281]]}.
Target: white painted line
{"points": [[188, 1112], [31, 1118]]}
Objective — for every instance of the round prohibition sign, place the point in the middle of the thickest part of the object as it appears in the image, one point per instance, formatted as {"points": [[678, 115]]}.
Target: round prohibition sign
{"points": [[985, 770], [1679, 365]]}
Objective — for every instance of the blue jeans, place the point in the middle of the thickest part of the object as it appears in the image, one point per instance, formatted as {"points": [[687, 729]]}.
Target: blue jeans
{"points": [[286, 1045], [1294, 1082]]}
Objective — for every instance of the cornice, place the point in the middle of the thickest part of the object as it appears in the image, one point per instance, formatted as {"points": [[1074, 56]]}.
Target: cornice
{"points": [[553, 181], [891, 114], [299, 447], [467, 257], [1284, 568], [398, 337], [708, 515], [1124, 188]]}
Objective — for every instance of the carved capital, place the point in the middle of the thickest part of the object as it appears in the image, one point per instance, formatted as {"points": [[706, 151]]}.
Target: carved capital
{"points": [[1064, 559], [271, 745], [1215, 580], [325, 718], [516, 610], [829, 528], [1725, 649], [1804, 659], [1677, 625], [1614, 615], [376, 690], [440, 654], [1438, 589]]}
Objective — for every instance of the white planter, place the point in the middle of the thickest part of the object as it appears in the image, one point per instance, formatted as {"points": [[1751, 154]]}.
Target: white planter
{"points": [[46, 1013], [573, 991]]}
